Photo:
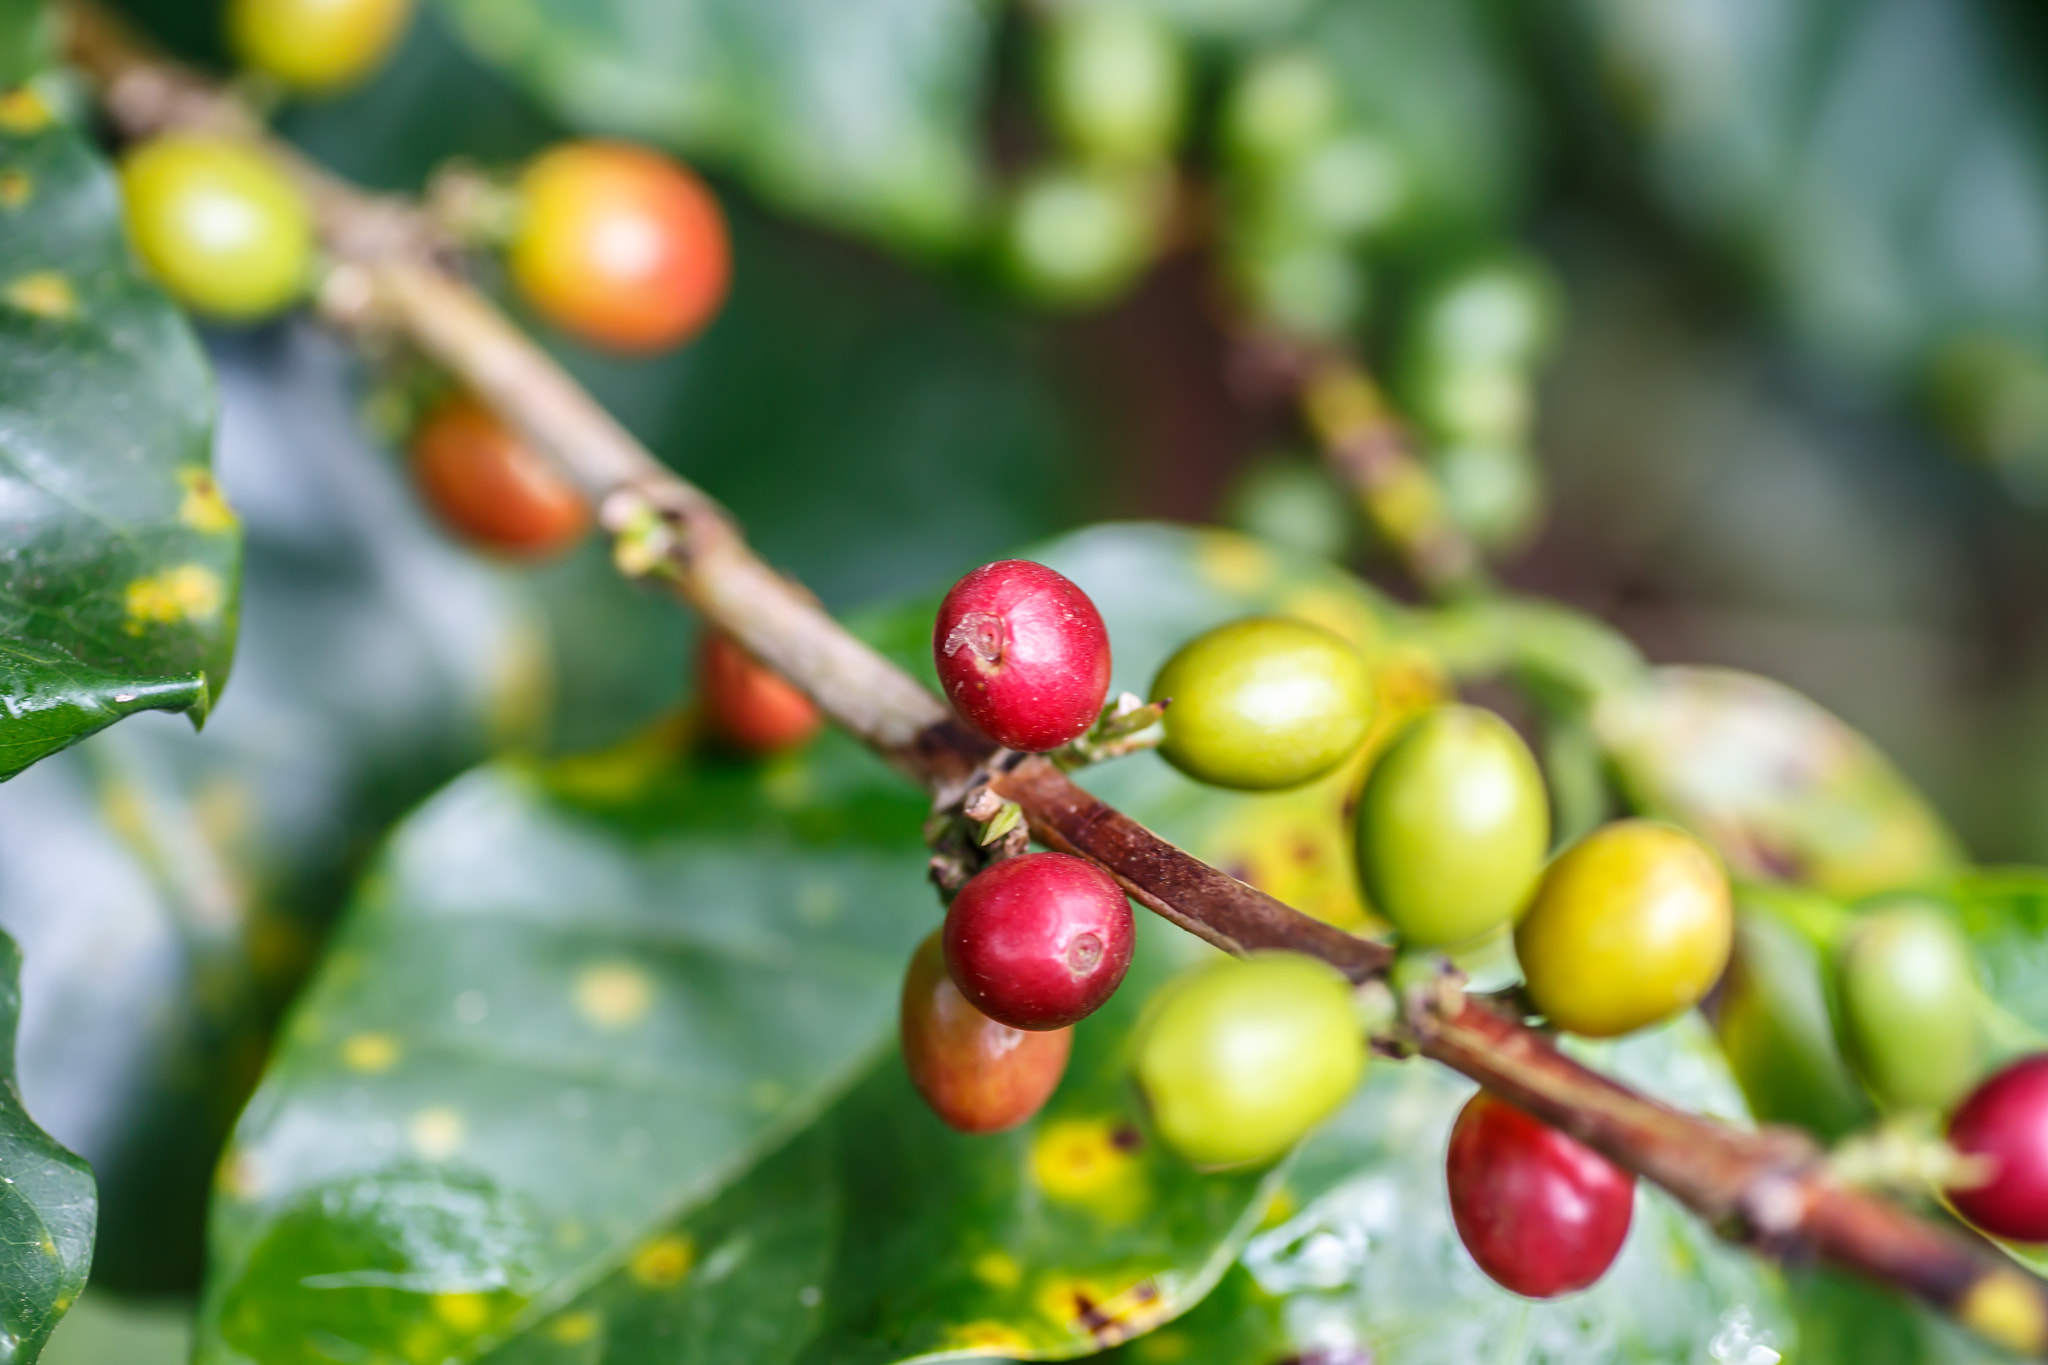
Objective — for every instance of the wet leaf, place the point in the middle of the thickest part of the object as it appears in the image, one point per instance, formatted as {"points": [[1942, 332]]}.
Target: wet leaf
{"points": [[47, 1205], [1784, 790], [170, 889], [858, 112], [1370, 1263], [119, 579]]}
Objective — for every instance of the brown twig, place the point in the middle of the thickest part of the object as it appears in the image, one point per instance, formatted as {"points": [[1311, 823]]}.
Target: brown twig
{"points": [[393, 274]]}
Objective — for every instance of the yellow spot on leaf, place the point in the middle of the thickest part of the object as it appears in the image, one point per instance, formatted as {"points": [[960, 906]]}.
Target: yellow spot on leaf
{"points": [[663, 1261], [189, 592], [571, 1235], [424, 1344], [467, 1313], [1234, 564], [998, 1270], [988, 1336], [1080, 1161], [1107, 1316], [45, 294], [2003, 1307], [16, 188], [768, 1094], [203, 508], [573, 1329], [370, 1053], [23, 111], [435, 1133], [613, 995]]}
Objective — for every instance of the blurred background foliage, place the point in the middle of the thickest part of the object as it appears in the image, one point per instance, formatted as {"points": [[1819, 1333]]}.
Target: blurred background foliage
{"points": [[1797, 422]]}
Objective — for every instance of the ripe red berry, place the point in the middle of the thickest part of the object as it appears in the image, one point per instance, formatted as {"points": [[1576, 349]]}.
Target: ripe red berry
{"points": [[2005, 1121], [487, 484], [1542, 1213], [748, 706], [1039, 942], [977, 1075], [1023, 655], [620, 245]]}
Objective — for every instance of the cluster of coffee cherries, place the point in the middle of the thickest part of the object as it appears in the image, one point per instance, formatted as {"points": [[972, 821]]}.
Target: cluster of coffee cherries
{"points": [[1914, 1023], [614, 245], [1237, 1059]]}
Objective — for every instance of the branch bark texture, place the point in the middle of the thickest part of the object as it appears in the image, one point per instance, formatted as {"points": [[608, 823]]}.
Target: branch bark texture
{"points": [[396, 276]]}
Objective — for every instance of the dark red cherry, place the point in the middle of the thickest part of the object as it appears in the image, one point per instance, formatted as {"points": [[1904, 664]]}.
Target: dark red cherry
{"points": [[977, 1075], [2005, 1121], [1039, 942], [1541, 1212], [1022, 654]]}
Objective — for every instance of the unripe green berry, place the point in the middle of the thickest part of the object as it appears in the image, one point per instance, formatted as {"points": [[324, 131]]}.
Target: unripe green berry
{"points": [[1453, 826], [1496, 312], [1494, 491], [1076, 237], [218, 224], [1281, 105], [1263, 703], [1909, 1002], [318, 46], [1307, 288], [1113, 80], [1239, 1059]]}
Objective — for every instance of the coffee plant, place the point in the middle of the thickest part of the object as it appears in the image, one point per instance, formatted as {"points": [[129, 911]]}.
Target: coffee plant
{"points": [[646, 895]]}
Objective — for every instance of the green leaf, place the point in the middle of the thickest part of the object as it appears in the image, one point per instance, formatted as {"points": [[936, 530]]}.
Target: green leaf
{"points": [[551, 1020], [375, 662], [24, 38], [1784, 790], [46, 1203], [862, 113], [118, 588]]}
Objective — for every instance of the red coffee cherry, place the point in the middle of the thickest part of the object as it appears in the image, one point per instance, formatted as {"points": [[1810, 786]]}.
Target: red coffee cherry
{"points": [[2005, 1121], [1542, 1213], [619, 245], [488, 485], [977, 1075], [1023, 655], [1039, 942], [748, 706]]}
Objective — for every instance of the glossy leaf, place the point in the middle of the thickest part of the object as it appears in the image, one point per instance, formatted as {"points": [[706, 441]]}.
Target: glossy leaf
{"points": [[1371, 1262], [47, 1205], [1783, 790], [862, 114], [119, 582], [170, 889]]}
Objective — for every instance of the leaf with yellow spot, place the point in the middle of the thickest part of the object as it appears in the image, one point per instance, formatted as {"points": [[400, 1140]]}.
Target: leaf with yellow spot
{"points": [[48, 1204], [106, 416]]}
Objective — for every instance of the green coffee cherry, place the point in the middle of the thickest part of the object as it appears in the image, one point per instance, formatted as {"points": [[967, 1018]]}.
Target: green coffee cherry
{"points": [[1344, 188], [1077, 237], [1306, 288], [1483, 403], [1773, 1024], [1908, 996], [1238, 1060], [218, 224], [1263, 703], [1280, 107], [1293, 501], [1453, 825], [1496, 312], [1113, 80], [1495, 492]]}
